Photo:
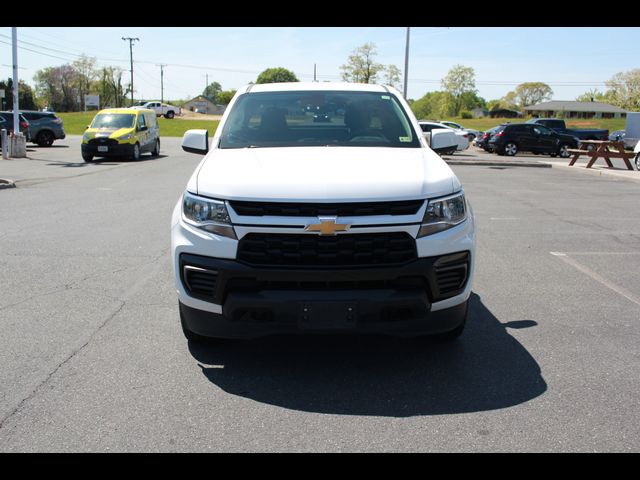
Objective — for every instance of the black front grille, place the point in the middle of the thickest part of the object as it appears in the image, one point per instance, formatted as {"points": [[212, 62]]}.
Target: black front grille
{"points": [[291, 250], [260, 209], [100, 141], [451, 273]]}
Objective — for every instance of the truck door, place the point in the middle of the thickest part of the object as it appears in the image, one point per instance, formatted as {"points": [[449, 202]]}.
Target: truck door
{"points": [[142, 132]]}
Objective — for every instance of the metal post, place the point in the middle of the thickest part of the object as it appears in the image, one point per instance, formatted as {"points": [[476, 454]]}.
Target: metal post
{"points": [[4, 139], [131, 40], [406, 64], [16, 108]]}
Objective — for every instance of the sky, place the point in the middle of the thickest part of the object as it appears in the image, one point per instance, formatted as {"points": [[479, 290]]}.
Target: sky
{"points": [[572, 60]]}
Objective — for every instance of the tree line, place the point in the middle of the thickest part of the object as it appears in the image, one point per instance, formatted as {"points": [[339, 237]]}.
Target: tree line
{"points": [[63, 88]]}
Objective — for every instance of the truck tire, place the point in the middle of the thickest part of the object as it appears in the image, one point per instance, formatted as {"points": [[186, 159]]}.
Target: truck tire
{"points": [[87, 157], [170, 114], [156, 150]]}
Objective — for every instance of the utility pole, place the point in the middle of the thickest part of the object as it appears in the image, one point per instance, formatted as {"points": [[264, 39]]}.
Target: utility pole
{"points": [[206, 84], [162, 65], [314, 73], [406, 64], [16, 107], [131, 40]]}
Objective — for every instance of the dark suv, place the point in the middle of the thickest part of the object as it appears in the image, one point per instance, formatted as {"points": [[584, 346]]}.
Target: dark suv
{"points": [[6, 123], [516, 137], [45, 127]]}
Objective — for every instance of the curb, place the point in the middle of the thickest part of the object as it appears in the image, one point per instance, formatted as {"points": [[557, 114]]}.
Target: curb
{"points": [[7, 183], [488, 163], [623, 174]]}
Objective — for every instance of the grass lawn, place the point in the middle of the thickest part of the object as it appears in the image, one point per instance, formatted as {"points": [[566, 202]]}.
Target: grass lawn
{"points": [[75, 124]]}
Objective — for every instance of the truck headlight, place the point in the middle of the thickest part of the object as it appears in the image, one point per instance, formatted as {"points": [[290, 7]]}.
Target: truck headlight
{"points": [[124, 137], [443, 213], [207, 214]]}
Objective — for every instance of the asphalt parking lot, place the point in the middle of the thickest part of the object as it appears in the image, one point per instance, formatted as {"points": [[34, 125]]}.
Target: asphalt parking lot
{"points": [[92, 357]]}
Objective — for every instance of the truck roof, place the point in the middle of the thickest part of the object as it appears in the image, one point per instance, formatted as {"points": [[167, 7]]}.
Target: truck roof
{"points": [[315, 86]]}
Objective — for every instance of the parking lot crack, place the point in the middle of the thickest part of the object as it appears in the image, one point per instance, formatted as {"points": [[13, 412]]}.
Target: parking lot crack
{"points": [[39, 387]]}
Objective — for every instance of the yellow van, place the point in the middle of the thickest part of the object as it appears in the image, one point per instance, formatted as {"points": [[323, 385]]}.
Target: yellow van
{"points": [[121, 132]]}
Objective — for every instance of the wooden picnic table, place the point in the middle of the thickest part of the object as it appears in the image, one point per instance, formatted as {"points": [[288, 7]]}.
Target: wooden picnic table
{"points": [[605, 149]]}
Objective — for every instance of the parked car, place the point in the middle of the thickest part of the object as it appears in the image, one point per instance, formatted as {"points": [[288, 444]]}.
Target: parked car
{"points": [[483, 140], [276, 233], [441, 139], [44, 127], [517, 137], [121, 132], [473, 134], [617, 135], [6, 122], [462, 137], [559, 125]]}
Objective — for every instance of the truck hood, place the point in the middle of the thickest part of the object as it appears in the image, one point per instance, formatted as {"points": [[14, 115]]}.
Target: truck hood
{"points": [[323, 174]]}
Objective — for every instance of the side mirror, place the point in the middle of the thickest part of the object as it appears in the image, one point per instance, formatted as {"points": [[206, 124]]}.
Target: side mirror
{"points": [[196, 141], [87, 127], [143, 128]]}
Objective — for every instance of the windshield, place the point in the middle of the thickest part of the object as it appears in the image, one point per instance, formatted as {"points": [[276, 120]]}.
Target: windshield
{"points": [[113, 120], [311, 118]]}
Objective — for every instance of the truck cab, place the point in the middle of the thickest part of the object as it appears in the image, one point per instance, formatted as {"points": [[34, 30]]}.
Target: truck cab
{"points": [[293, 226]]}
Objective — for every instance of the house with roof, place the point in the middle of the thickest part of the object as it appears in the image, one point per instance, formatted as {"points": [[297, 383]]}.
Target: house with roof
{"points": [[203, 104], [569, 109]]}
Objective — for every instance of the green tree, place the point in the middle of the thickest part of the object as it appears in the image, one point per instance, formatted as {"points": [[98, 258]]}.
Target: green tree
{"points": [[212, 90], [593, 96], [85, 74], [392, 76], [531, 93], [109, 86], [433, 105], [459, 80], [361, 66], [277, 75], [624, 90], [26, 96], [225, 96]]}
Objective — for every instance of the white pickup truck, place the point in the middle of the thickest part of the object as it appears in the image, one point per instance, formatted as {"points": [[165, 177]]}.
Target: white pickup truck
{"points": [[162, 109], [352, 224]]}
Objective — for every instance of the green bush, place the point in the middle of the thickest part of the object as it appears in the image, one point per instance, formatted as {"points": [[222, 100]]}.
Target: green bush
{"points": [[465, 114]]}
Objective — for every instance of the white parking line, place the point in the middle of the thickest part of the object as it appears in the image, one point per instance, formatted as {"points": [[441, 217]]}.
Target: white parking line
{"points": [[598, 278]]}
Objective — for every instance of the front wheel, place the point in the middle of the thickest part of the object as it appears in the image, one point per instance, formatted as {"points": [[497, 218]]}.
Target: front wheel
{"points": [[136, 152], [169, 115], [638, 161], [87, 157]]}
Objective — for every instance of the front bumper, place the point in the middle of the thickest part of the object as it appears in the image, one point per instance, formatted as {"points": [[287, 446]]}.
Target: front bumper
{"points": [[264, 301], [113, 150]]}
